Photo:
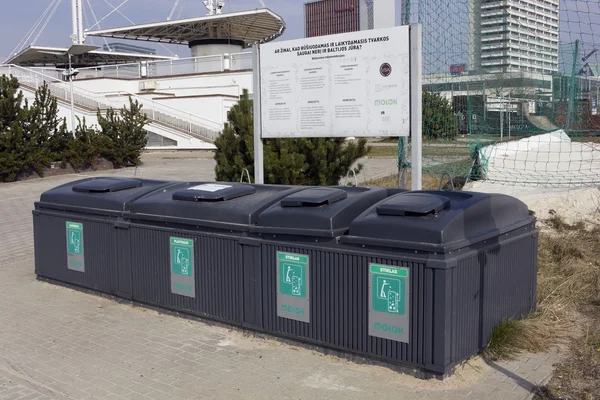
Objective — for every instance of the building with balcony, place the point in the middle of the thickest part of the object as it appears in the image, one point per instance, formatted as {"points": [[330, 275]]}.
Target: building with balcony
{"points": [[514, 35]]}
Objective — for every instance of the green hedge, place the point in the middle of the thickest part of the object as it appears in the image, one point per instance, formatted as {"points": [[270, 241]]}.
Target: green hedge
{"points": [[32, 136]]}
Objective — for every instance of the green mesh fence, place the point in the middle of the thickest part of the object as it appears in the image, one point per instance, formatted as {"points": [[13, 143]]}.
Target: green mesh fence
{"points": [[512, 90]]}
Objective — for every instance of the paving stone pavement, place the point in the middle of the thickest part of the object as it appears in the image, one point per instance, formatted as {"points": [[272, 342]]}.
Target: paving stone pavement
{"points": [[60, 343]]}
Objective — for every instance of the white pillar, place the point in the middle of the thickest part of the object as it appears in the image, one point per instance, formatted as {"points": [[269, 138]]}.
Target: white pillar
{"points": [[80, 37], [74, 35], [259, 169], [416, 101]]}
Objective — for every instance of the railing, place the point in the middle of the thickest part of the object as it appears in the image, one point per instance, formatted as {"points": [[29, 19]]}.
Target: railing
{"points": [[182, 66], [170, 117]]}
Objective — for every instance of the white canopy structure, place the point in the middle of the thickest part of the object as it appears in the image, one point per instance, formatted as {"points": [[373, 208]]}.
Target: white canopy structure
{"points": [[247, 27], [39, 56]]}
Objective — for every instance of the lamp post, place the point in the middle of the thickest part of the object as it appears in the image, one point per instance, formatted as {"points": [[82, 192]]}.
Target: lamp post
{"points": [[75, 49], [71, 90]]}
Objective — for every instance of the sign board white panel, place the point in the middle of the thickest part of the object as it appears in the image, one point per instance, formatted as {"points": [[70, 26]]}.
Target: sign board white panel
{"points": [[351, 84]]}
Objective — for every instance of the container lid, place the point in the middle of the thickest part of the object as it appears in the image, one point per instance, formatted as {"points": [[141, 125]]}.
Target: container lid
{"points": [[103, 195], [105, 185], [323, 212], [209, 204], [415, 204], [437, 220], [212, 192]]}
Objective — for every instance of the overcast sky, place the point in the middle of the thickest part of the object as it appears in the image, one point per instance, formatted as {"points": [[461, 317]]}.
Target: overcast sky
{"points": [[445, 25]]}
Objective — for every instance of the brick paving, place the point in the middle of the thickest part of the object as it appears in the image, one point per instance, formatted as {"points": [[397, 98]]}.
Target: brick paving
{"points": [[60, 343]]}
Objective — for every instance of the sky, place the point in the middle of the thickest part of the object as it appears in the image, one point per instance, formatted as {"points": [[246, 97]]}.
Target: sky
{"points": [[445, 23], [24, 14]]}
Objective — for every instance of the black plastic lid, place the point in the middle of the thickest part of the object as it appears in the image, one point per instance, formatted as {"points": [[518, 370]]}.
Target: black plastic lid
{"points": [[105, 185], [213, 192], [103, 195], [210, 204], [437, 219], [314, 197], [323, 212], [415, 204]]}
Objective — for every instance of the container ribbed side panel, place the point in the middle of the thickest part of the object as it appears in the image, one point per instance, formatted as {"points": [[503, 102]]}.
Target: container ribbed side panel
{"points": [[339, 305], [466, 302], [509, 282], [217, 271], [98, 247]]}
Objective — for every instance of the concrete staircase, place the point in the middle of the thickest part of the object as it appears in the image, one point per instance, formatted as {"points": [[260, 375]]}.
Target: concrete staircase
{"points": [[160, 117]]}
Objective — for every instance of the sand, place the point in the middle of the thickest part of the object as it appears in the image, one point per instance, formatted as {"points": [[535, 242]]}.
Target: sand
{"points": [[572, 204]]}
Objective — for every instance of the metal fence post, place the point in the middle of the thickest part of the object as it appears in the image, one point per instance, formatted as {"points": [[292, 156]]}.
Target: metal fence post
{"points": [[416, 100], [259, 172]]}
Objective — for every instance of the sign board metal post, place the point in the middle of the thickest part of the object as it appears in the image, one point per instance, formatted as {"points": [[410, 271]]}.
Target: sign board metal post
{"points": [[259, 172], [416, 104]]}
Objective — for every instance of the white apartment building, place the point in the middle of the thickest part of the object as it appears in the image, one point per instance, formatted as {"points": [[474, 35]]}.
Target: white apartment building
{"points": [[514, 35]]}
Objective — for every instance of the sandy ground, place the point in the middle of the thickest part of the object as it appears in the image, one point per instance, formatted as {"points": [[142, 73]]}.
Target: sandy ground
{"points": [[573, 205]]}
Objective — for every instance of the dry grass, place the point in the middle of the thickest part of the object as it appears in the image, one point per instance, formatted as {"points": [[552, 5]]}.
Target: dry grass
{"points": [[568, 270], [511, 337], [428, 182], [577, 377], [428, 151], [568, 310]]}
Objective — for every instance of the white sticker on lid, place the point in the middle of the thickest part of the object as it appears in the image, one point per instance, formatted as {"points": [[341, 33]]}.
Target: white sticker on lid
{"points": [[209, 187]]}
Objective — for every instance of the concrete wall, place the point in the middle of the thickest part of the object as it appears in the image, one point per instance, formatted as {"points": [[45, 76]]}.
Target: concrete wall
{"points": [[212, 108], [222, 83], [107, 85], [203, 50], [241, 79]]}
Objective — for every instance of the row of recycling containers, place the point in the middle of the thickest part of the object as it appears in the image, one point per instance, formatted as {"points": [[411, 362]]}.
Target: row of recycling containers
{"points": [[413, 278]]}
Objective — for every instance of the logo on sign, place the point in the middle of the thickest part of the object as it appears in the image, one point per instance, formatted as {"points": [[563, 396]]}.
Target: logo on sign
{"points": [[182, 267], [293, 280], [381, 88], [386, 102], [389, 302], [293, 286], [385, 70], [75, 252]]}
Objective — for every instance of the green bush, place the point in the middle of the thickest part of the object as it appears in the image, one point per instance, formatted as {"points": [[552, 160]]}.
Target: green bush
{"points": [[25, 131], [438, 117], [314, 161], [32, 136], [123, 135], [85, 147]]}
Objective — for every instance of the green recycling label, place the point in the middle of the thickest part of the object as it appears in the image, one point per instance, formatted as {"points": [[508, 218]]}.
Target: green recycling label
{"points": [[293, 286], [182, 267], [388, 302], [75, 256]]}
